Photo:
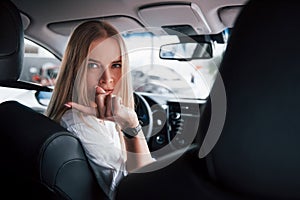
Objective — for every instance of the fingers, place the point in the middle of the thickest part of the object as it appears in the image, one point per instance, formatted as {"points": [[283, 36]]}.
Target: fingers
{"points": [[114, 107], [116, 104], [99, 90], [108, 103], [122, 115], [100, 101]]}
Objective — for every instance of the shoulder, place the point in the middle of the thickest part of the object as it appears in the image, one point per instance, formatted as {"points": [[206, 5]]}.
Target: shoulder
{"points": [[86, 125], [68, 118], [73, 117]]}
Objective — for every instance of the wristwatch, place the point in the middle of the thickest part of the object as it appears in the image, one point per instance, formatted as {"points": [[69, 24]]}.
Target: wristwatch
{"points": [[132, 132]]}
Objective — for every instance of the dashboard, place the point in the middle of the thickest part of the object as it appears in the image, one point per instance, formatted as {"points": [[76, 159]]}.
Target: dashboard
{"points": [[175, 122]]}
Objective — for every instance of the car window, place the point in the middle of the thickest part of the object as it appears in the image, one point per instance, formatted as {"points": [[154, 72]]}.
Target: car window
{"points": [[39, 65]]}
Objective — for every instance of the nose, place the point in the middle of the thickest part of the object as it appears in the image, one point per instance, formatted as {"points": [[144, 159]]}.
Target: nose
{"points": [[106, 77]]}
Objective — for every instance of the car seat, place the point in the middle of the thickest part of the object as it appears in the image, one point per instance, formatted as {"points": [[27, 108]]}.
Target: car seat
{"points": [[39, 158], [258, 153]]}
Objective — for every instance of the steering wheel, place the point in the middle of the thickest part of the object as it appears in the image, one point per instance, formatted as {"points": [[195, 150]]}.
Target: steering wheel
{"points": [[144, 114]]}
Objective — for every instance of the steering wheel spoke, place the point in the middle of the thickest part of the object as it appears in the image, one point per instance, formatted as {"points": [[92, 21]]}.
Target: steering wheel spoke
{"points": [[144, 114]]}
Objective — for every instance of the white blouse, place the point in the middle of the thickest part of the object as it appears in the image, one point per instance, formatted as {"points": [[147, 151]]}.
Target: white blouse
{"points": [[102, 145]]}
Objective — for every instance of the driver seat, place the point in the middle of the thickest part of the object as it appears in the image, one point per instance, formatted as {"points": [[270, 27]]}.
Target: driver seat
{"points": [[39, 158]]}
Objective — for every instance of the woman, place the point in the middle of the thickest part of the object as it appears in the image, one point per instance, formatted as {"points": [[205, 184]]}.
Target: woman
{"points": [[93, 99]]}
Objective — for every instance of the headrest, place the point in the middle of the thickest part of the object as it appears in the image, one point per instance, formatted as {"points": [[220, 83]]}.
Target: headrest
{"points": [[258, 150], [11, 41]]}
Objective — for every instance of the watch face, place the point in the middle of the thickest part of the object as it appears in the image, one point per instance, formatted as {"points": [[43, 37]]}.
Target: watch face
{"points": [[132, 132]]}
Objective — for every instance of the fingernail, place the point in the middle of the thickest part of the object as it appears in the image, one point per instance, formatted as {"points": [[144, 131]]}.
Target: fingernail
{"points": [[67, 105]]}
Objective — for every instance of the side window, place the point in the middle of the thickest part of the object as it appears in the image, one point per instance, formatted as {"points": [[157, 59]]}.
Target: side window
{"points": [[39, 65]]}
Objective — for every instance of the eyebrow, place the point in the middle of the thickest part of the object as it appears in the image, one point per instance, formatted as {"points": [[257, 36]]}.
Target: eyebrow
{"points": [[93, 60], [117, 61], [97, 61]]}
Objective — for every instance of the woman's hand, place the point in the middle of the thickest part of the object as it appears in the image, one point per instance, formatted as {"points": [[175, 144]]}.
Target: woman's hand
{"points": [[108, 107], [124, 116]]}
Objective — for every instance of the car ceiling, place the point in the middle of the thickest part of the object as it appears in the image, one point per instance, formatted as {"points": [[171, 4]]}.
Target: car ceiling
{"points": [[49, 23]]}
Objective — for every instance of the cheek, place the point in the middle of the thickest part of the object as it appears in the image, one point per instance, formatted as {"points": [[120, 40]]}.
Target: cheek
{"points": [[118, 75], [92, 81], [117, 81]]}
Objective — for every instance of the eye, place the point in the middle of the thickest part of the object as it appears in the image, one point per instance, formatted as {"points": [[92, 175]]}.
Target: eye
{"points": [[93, 65], [116, 65]]}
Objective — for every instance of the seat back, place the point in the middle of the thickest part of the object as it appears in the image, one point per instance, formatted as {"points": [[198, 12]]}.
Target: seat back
{"points": [[39, 158], [257, 153], [64, 169]]}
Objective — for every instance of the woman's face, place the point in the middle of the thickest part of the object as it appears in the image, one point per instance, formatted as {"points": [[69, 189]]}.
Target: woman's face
{"points": [[104, 66]]}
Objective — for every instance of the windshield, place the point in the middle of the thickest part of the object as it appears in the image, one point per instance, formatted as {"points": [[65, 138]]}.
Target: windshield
{"points": [[183, 79]]}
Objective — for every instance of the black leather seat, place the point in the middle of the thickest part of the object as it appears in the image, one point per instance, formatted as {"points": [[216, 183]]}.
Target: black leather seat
{"points": [[258, 153], [39, 158]]}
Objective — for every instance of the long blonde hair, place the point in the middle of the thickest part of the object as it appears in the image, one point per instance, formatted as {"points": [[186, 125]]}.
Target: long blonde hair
{"points": [[71, 83]]}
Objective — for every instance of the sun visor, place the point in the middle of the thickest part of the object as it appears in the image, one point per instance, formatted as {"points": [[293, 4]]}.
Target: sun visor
{"points": [[121, 23], [228, 15], [25, 21], [179, 16]]}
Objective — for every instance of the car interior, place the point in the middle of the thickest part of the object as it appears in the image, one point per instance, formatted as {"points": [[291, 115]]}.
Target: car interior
{"points": [[241, 142]]}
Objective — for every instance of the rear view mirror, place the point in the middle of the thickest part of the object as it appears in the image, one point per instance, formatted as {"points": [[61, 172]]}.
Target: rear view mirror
{"points": [[186, 51]]}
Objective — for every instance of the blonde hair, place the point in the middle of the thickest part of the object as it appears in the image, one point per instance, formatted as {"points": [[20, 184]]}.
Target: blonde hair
{"points": [[71, 83]]}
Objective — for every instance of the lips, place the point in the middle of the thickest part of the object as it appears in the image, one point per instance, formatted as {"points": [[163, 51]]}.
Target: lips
{"points": [[108, 90]]}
